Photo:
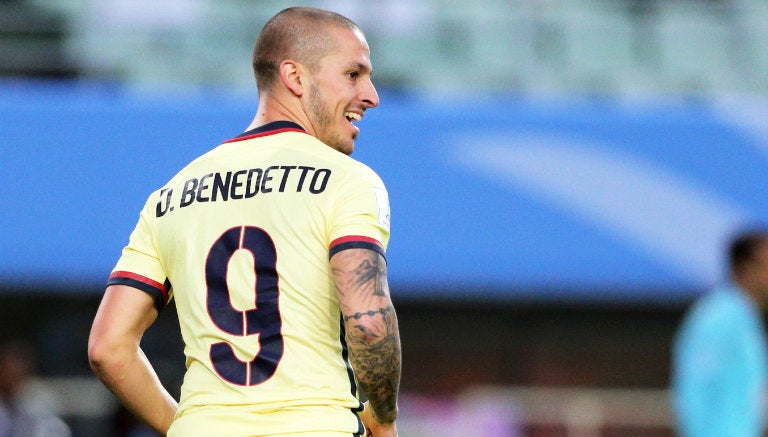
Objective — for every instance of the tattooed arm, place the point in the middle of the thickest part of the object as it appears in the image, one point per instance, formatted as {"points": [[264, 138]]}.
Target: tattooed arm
{"points": [[371, 328]]}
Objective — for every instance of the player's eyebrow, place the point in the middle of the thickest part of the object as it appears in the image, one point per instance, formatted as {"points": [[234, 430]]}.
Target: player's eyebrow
{"points": [[359, 66]]}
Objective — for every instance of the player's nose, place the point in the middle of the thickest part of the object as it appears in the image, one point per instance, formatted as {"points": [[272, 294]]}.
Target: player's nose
{"points": [[369, 95]]}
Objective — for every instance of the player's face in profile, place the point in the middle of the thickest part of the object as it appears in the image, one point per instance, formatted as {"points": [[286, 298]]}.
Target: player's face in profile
{"points": [[341, 91]]}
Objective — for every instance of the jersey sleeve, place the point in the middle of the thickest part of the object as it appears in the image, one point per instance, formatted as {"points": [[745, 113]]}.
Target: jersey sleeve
{"points": [[362, 215], [139, 265]]}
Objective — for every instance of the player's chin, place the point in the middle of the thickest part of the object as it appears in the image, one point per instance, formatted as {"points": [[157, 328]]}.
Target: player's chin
{"points": [[340, 141], [347, 147]]}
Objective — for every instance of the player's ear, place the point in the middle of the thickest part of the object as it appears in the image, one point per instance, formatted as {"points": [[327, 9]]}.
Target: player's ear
{"points": [[292, 76]]}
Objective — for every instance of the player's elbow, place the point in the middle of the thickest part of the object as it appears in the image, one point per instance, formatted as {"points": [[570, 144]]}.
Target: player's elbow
{"points": [[104, 354], [98, 356]]}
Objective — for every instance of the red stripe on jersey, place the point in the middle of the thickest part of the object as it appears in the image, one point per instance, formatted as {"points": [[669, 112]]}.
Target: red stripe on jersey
{"points": [[356, 238], [143, 279], [263, 134]]}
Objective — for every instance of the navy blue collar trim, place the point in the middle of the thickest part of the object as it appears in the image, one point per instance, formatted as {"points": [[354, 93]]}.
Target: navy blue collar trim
{"points": [[270, 128]]}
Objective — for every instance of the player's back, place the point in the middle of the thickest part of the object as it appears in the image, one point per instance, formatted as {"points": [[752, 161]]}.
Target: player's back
{"points": [[243, 233]]}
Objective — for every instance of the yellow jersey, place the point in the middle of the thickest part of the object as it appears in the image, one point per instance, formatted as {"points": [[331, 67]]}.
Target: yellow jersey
{"points": [[241, 239]]}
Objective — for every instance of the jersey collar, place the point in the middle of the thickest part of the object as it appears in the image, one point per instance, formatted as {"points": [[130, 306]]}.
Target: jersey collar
{"points": [[271, 128]]}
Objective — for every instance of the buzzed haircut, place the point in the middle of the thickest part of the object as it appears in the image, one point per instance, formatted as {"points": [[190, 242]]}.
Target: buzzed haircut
{"points": [[743, 248], [297, 33]]}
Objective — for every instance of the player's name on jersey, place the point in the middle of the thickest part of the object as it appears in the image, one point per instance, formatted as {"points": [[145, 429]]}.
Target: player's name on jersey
{"points": [[243, 184]]}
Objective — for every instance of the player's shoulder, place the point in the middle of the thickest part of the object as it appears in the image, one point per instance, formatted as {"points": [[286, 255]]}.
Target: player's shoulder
{"points": [[362, 170], [361, 174], [346, 165]]}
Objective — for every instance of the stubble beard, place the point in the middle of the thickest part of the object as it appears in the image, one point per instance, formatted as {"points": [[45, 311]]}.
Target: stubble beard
{"points": [[323, 119]]}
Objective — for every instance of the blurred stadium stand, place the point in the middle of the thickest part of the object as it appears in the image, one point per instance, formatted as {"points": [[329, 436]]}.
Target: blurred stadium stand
{"points": [[616, 47], [596, 368], [32, 42]]}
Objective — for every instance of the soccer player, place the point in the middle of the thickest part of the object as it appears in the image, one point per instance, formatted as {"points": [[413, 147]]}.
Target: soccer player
{"points": [[720, 363], [272, 245]]}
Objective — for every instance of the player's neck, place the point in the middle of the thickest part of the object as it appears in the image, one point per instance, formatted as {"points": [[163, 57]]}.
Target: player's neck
{"points": [[271, 109]]}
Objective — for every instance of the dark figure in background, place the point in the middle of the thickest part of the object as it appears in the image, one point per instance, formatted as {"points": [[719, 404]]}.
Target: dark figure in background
{"points": [[24, 411]]}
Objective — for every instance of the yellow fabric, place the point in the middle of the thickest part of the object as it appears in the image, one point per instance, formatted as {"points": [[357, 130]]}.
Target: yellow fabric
{"points": [[243, 235]]}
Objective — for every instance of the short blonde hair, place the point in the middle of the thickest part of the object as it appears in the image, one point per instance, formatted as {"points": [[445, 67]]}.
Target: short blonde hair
{"points": [[297, 33]]}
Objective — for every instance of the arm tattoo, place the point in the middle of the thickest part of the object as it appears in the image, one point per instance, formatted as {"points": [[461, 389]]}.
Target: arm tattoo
{"points": [[370, 313], [372, 334], [371, 270], [376, 358]]}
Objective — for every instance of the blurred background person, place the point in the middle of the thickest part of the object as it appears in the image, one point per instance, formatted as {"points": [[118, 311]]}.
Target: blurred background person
{"points": [[719, 358], [25, 410]]}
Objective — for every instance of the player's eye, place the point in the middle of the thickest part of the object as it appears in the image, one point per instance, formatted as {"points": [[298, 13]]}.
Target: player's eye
{"points": [[353, 74]]}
